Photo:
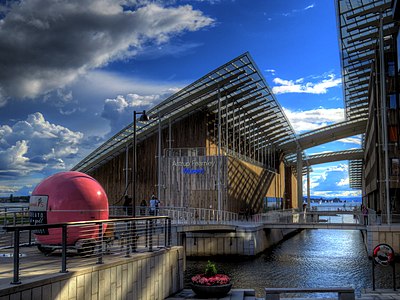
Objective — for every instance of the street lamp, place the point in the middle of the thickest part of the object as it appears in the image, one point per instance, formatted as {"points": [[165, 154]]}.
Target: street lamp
{"points": [[143, 118]]}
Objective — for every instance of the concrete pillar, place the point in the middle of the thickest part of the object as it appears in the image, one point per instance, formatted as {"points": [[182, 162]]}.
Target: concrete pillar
{"points": [[299, 179]]}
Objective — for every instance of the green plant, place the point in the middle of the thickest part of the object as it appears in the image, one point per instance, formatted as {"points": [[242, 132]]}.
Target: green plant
{"points": [[211, 269]]}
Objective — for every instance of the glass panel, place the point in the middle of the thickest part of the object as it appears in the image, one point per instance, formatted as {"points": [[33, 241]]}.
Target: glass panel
{"points": [[391, 68], [392, 101]]}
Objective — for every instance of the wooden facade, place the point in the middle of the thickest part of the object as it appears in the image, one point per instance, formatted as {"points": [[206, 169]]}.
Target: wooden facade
{"points": [[189, 171]]}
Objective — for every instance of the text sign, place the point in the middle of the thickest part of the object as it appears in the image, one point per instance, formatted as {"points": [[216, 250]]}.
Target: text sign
{"points": [[193, 167], [38, 212]]}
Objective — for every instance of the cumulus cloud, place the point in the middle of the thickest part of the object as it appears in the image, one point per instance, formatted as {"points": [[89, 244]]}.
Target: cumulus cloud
{"points": [[34, 145], [332, 181], [118, 111], [306, 120], [299, 86], [46, 44]]}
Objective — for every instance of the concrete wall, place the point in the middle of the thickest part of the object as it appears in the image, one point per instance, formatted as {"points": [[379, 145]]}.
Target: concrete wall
{"points": [[383, 234], [144, 276], [243, 241]]}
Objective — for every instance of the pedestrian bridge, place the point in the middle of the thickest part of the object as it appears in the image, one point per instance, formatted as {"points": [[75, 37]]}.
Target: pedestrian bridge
{"points": [[194, 219]]}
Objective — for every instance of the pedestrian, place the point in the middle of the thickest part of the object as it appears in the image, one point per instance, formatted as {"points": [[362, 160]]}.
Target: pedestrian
{"points": [[154, 205], [143, 206], [127, 206], [365, 214]]}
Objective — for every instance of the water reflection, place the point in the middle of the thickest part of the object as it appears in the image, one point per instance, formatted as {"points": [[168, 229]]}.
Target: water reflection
{"points": [[312, 258]]}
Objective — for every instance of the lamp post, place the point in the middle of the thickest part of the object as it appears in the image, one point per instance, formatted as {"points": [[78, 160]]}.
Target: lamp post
{"points": [[143, 118]]}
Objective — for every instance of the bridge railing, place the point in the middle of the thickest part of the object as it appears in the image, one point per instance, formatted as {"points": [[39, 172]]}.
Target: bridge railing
{"points": [[314, 217], [183, 215], [26, 249], [334, 207], [14, 215]]}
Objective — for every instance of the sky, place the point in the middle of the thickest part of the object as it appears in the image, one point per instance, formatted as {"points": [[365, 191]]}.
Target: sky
{"points": [[72, 72]]}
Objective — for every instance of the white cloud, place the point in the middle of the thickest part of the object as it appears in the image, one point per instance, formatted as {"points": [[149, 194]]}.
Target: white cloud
{"points": [[119, 110], [352, 140], [272, 71], [14, 157], [338, 194], [295, 11], [309, 7], [331, 181], [343, 182], [35, 145], [47, 44], [313, 119], [298, 86]]}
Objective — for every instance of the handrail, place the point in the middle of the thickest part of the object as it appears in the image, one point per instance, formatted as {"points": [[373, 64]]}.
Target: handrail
{"points": [[344, 293], [96, 240]]}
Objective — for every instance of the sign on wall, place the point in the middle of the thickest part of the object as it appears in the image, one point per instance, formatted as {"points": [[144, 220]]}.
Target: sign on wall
{"points": [[193, 167]]}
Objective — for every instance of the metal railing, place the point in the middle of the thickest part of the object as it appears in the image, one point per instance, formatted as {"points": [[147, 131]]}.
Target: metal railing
{"points": [[184, 215], [343, 217], [311, 217], [24, 249], [14, 215], [181, 215], [334, 207]]}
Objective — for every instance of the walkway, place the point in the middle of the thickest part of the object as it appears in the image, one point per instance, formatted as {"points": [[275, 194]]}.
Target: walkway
{"points": [[192, 218], [248, 294]]}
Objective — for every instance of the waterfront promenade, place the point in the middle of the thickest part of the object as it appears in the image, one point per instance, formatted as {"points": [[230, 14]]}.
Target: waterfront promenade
{"points": [[248, 294], [37, 266]]}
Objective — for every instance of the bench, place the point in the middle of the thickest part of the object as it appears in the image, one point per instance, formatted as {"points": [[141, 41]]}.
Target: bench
{"points": [[343, 293]]}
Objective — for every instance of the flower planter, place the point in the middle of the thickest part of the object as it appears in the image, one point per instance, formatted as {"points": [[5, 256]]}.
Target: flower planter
{"points": [[211, 291]]}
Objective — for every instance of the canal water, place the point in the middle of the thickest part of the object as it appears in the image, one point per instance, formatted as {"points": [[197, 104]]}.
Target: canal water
{"points": [[311, 258]]}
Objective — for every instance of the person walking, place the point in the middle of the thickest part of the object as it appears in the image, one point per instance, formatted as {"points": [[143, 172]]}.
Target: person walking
{"points": [[365, 214], [154, 206]]}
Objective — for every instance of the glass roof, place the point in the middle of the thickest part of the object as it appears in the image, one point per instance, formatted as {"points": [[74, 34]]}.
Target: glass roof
{"points": [[359, 22], [246, 102]]}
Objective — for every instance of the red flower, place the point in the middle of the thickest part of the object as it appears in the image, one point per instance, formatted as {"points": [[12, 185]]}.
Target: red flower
{"points": [[217, 279]]}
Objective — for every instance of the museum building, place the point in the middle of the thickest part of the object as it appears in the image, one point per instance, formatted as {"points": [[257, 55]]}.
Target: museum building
{"points": [[214, 144]]}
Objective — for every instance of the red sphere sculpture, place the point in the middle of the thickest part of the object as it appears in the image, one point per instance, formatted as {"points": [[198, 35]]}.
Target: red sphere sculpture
{"points": [[68, 197]]}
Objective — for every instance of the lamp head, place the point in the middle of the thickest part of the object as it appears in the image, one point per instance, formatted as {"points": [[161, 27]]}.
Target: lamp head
{"points": [[144, 117]]}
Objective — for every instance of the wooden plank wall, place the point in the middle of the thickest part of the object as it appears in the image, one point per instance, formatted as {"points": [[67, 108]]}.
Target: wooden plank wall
{"points": [[248, 185], [242, 184], [191, 181], [189, 132]]}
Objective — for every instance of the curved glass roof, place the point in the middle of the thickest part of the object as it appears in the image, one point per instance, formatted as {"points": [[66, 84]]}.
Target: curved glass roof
{"points": [[359, 23], [246, 103]]}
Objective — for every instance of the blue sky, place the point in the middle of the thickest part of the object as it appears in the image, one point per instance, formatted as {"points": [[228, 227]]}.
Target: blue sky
{"points": [[73, 71]]}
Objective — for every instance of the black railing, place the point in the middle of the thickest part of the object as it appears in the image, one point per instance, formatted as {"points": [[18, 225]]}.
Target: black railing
{"points": [[79, 243]]}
